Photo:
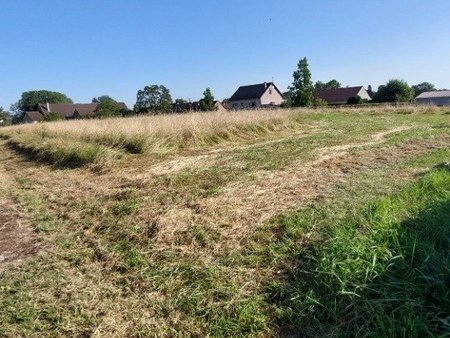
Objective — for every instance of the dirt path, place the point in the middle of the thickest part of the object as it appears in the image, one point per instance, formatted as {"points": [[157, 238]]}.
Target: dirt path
{"points": [[17, 240], [378, 138], [245, 205]]}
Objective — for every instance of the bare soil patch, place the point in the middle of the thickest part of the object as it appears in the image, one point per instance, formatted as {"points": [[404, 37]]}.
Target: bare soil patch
{"points": [[17, 241]]}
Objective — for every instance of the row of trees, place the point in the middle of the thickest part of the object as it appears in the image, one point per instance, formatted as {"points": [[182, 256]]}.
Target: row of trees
{"points": [[301, 92], [154, 99]]}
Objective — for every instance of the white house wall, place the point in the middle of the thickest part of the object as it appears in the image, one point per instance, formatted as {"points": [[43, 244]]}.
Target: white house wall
{"points": [[364, 95], [271, 97]]}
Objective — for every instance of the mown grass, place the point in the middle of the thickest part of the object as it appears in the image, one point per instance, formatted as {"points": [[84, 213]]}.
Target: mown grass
{"points": [[380, 269], [106, 272], [109, 278]]}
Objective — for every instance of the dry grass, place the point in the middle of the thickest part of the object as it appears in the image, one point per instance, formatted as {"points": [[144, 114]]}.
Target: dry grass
{"points": [[169, 133], [189, 252], [163, 133]]}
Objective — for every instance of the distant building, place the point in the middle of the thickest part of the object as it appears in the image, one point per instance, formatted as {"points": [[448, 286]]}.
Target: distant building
{"points": [[194, 106], [33, 117], [341, 95], [436, 98], [256, 96], [67, 110]]}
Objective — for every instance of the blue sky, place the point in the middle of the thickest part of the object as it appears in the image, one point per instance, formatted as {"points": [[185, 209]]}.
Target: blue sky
{"points": [[86, 48]]}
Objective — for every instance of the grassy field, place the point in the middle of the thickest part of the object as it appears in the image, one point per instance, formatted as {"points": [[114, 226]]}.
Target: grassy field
{"points": [[289, 223]]}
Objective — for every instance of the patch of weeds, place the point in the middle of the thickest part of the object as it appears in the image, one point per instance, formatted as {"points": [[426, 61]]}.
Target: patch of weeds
{"points": [[125, 208], [428, 160], [379, 269], [204, 236], [208, 191], [445, 125], [60, 153]]}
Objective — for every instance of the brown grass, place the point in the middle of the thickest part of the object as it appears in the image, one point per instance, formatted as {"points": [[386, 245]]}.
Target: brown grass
{"points": [[167, 247]]}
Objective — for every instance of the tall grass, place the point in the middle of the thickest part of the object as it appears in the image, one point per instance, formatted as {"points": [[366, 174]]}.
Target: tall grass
{"points": [[60, 152], [165, 133], [383, 271]]}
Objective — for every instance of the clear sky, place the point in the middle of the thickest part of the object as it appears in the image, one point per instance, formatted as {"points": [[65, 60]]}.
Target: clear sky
{"points": [[86, 48]]}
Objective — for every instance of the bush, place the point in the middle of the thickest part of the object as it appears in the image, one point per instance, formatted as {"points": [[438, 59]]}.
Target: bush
{"points": [[107, 109], [318, 102], [395, 91], [355, 100], [53, 116]]}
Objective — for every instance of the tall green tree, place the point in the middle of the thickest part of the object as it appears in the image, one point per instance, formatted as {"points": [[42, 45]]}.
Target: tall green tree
{"points": [[370, 92], [423, 87], [107, 109], [395, 91], [30, 100], [333, 84], [103, 98], [208, 102], [5, 118], [153, 99], [302, 87]]}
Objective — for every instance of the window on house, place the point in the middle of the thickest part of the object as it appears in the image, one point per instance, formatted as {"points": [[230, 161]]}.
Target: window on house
{"points": [[270, 91]]}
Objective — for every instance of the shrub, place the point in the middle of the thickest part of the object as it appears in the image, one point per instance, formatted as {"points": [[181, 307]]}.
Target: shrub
{"points": [[107, 109], [53, 116], [355, 100], [318, 102]]}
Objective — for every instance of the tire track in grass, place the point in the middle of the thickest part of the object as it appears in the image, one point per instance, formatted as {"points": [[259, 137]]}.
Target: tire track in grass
{"points": [[242, 207]]}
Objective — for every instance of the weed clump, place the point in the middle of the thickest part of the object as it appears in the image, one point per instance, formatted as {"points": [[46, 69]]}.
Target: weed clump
{"points": [[55, 151]]}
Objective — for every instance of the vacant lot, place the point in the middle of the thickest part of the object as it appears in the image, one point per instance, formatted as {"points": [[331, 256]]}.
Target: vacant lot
{"points": [[284, 223]]}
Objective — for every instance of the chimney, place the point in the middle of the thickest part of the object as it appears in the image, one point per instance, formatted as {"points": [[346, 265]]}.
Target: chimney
{"points": [[265, 85], [48, 107]]}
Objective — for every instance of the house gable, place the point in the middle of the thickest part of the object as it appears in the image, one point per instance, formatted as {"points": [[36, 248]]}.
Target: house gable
{"points": [[33, 117], [254, 96], [272, 96]]}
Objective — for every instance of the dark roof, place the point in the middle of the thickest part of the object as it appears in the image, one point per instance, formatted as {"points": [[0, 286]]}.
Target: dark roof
{"points": [[84, 112], [121, 105], [34, 116], [68, 109], [186, 106], [337, 95], [252, 92]]}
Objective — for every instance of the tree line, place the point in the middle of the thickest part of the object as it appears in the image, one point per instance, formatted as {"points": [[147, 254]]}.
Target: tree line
{"points": [[301, 91], [153, 99], [156, 99]]}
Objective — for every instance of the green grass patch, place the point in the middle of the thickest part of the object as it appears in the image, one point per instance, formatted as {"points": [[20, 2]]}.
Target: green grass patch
{"points": [[58, 151], [376, 270]]}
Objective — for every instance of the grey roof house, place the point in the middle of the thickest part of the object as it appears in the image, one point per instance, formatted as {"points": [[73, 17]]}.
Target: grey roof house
{"points": [[256, 96], [341, 95], [436, 98]]}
